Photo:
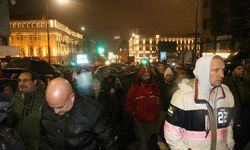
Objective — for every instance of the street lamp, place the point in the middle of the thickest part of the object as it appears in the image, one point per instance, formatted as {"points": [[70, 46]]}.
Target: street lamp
{"points": [[84, 40], [48, 24], [83, 28]]}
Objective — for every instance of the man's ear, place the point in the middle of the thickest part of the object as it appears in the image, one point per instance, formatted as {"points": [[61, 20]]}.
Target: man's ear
{"points": [[72, 97]]}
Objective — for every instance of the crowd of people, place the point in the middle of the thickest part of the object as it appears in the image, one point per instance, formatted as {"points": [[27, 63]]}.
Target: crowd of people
{"points": [[158, 107]]}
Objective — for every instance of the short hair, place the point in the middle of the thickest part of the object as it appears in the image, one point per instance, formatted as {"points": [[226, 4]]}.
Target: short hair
{"points": [[218, 57], [34, 76], [4, 86]]}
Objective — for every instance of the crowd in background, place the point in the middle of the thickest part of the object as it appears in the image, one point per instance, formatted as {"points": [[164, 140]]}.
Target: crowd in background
{"points": [[116, 94]]}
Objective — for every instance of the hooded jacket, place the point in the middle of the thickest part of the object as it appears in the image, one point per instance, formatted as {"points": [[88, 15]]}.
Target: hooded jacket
{"points": [[143, 100], [193, 120]]}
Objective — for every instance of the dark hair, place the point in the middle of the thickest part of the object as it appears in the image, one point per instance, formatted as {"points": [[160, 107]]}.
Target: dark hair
{"points": [[34, 76], [6, 85]]}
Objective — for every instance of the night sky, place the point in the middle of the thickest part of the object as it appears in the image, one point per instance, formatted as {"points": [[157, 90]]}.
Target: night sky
{"points": [[104, 18]]}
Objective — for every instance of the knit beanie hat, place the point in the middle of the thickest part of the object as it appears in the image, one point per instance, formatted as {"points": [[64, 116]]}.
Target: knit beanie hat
{"points": [[233, 65], [168, 71]]}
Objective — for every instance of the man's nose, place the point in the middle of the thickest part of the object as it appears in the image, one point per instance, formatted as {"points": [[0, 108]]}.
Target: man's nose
{"points": [[56, 110], [221, 74]]}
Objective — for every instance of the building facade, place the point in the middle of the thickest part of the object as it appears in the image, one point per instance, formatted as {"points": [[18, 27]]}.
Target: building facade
{"points": [[31, 36], [225, 25], [4, 22], [141, 47]]}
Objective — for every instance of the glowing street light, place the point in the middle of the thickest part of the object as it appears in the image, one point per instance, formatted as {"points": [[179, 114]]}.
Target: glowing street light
{"points": [[62, 1]]}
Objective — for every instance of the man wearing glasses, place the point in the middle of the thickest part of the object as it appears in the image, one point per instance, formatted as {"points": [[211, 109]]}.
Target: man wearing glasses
{"points": [[30, 97]]}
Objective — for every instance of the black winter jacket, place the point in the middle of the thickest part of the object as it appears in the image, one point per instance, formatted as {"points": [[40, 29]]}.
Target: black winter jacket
{"points": [[84, 127]]}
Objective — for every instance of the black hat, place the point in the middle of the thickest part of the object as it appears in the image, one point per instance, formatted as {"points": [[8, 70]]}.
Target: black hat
{"points": [[6, 105], [234, 65]]}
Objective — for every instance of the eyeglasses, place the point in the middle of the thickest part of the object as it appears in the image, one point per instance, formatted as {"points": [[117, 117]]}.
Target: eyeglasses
{"points": [[24, 80]]}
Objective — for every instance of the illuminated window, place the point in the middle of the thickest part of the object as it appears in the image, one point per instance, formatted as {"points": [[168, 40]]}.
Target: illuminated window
{"points": [[31, 52], [24, 25], [22, 52], [21, 37], [30, 37], [38, 37], [38, 25], [39, 52], [14, 25]]}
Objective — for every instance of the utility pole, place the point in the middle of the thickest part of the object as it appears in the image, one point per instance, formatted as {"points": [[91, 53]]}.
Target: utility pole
{"points": [[48, 35], [195, 33]]}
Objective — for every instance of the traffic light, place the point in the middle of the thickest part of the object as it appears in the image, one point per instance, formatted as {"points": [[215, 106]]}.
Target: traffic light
{"points": [[100, 49], [145, 61], [72, 63]]}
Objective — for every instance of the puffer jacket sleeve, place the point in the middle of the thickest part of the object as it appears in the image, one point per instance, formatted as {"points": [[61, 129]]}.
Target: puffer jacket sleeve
{"points": [[42, 144], [173, 133], [230, 140], [104, 132]]}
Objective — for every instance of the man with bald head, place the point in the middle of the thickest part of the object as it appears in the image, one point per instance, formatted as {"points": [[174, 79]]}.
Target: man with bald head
{"points": [[70, 121]]}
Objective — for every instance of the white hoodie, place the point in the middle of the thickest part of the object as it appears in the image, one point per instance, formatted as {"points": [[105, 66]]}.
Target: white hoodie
{"points": [[188, 123]]}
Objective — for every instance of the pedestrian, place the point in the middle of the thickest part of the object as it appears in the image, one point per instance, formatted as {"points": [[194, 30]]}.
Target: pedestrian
{"points": [[180, 73], [240, 90], [159, 73], [9, 138], [105, 94], [73, 122], [200, 112], [7, 88], [167, 88], [29, 99], [143, 105]]}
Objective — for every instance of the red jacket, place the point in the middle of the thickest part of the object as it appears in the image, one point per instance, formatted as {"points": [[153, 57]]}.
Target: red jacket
{"points": [[143, 101]]}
